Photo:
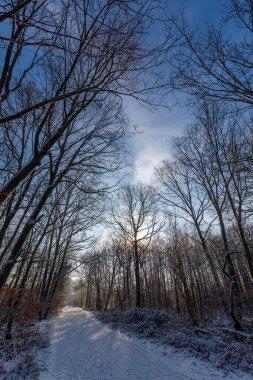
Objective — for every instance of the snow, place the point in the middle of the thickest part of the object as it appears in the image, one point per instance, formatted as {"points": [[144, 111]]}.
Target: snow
{"points": [[19, 356], [83, 348], [212, 341]]}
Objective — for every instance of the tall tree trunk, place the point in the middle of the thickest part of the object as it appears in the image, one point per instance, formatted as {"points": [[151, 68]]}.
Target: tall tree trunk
{"points": [[137, 275]]}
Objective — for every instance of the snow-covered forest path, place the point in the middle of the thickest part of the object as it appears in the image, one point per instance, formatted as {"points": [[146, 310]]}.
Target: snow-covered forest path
{"points": [[82, 348]]}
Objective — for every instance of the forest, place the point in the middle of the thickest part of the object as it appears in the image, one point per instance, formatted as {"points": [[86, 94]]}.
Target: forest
{"points": [[71, 215], [184, 246]]}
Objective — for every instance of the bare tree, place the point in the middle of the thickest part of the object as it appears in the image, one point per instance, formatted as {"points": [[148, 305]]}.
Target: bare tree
{"points": [[213, 64], [195, 152], [136, 216], [181, 192], [98, 52], [86, 152]]}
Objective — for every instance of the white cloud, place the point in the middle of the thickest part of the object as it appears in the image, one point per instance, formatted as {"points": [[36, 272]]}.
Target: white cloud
{"points": [[152, 143]]}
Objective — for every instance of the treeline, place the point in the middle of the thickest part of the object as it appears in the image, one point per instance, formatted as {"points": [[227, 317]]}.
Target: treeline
{"points": [[186, 245], [65, 67]]}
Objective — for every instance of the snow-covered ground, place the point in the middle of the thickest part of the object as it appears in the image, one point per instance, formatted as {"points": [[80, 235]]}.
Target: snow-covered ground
{"points": [[214, 341], [83, 348], [19, 356]]}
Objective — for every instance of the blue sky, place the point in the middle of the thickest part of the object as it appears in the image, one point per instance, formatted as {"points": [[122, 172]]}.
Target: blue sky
{"points": [[157, 128]]}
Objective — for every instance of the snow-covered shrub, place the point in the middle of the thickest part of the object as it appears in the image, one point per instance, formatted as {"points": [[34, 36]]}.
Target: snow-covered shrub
{"points": [[148, 315]]}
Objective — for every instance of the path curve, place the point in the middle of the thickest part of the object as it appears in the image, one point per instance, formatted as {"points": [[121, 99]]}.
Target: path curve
{"points": [[83, 348]]}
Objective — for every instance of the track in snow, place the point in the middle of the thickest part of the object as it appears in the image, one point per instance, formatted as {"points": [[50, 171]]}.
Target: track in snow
{"points": [[82, 348]]}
